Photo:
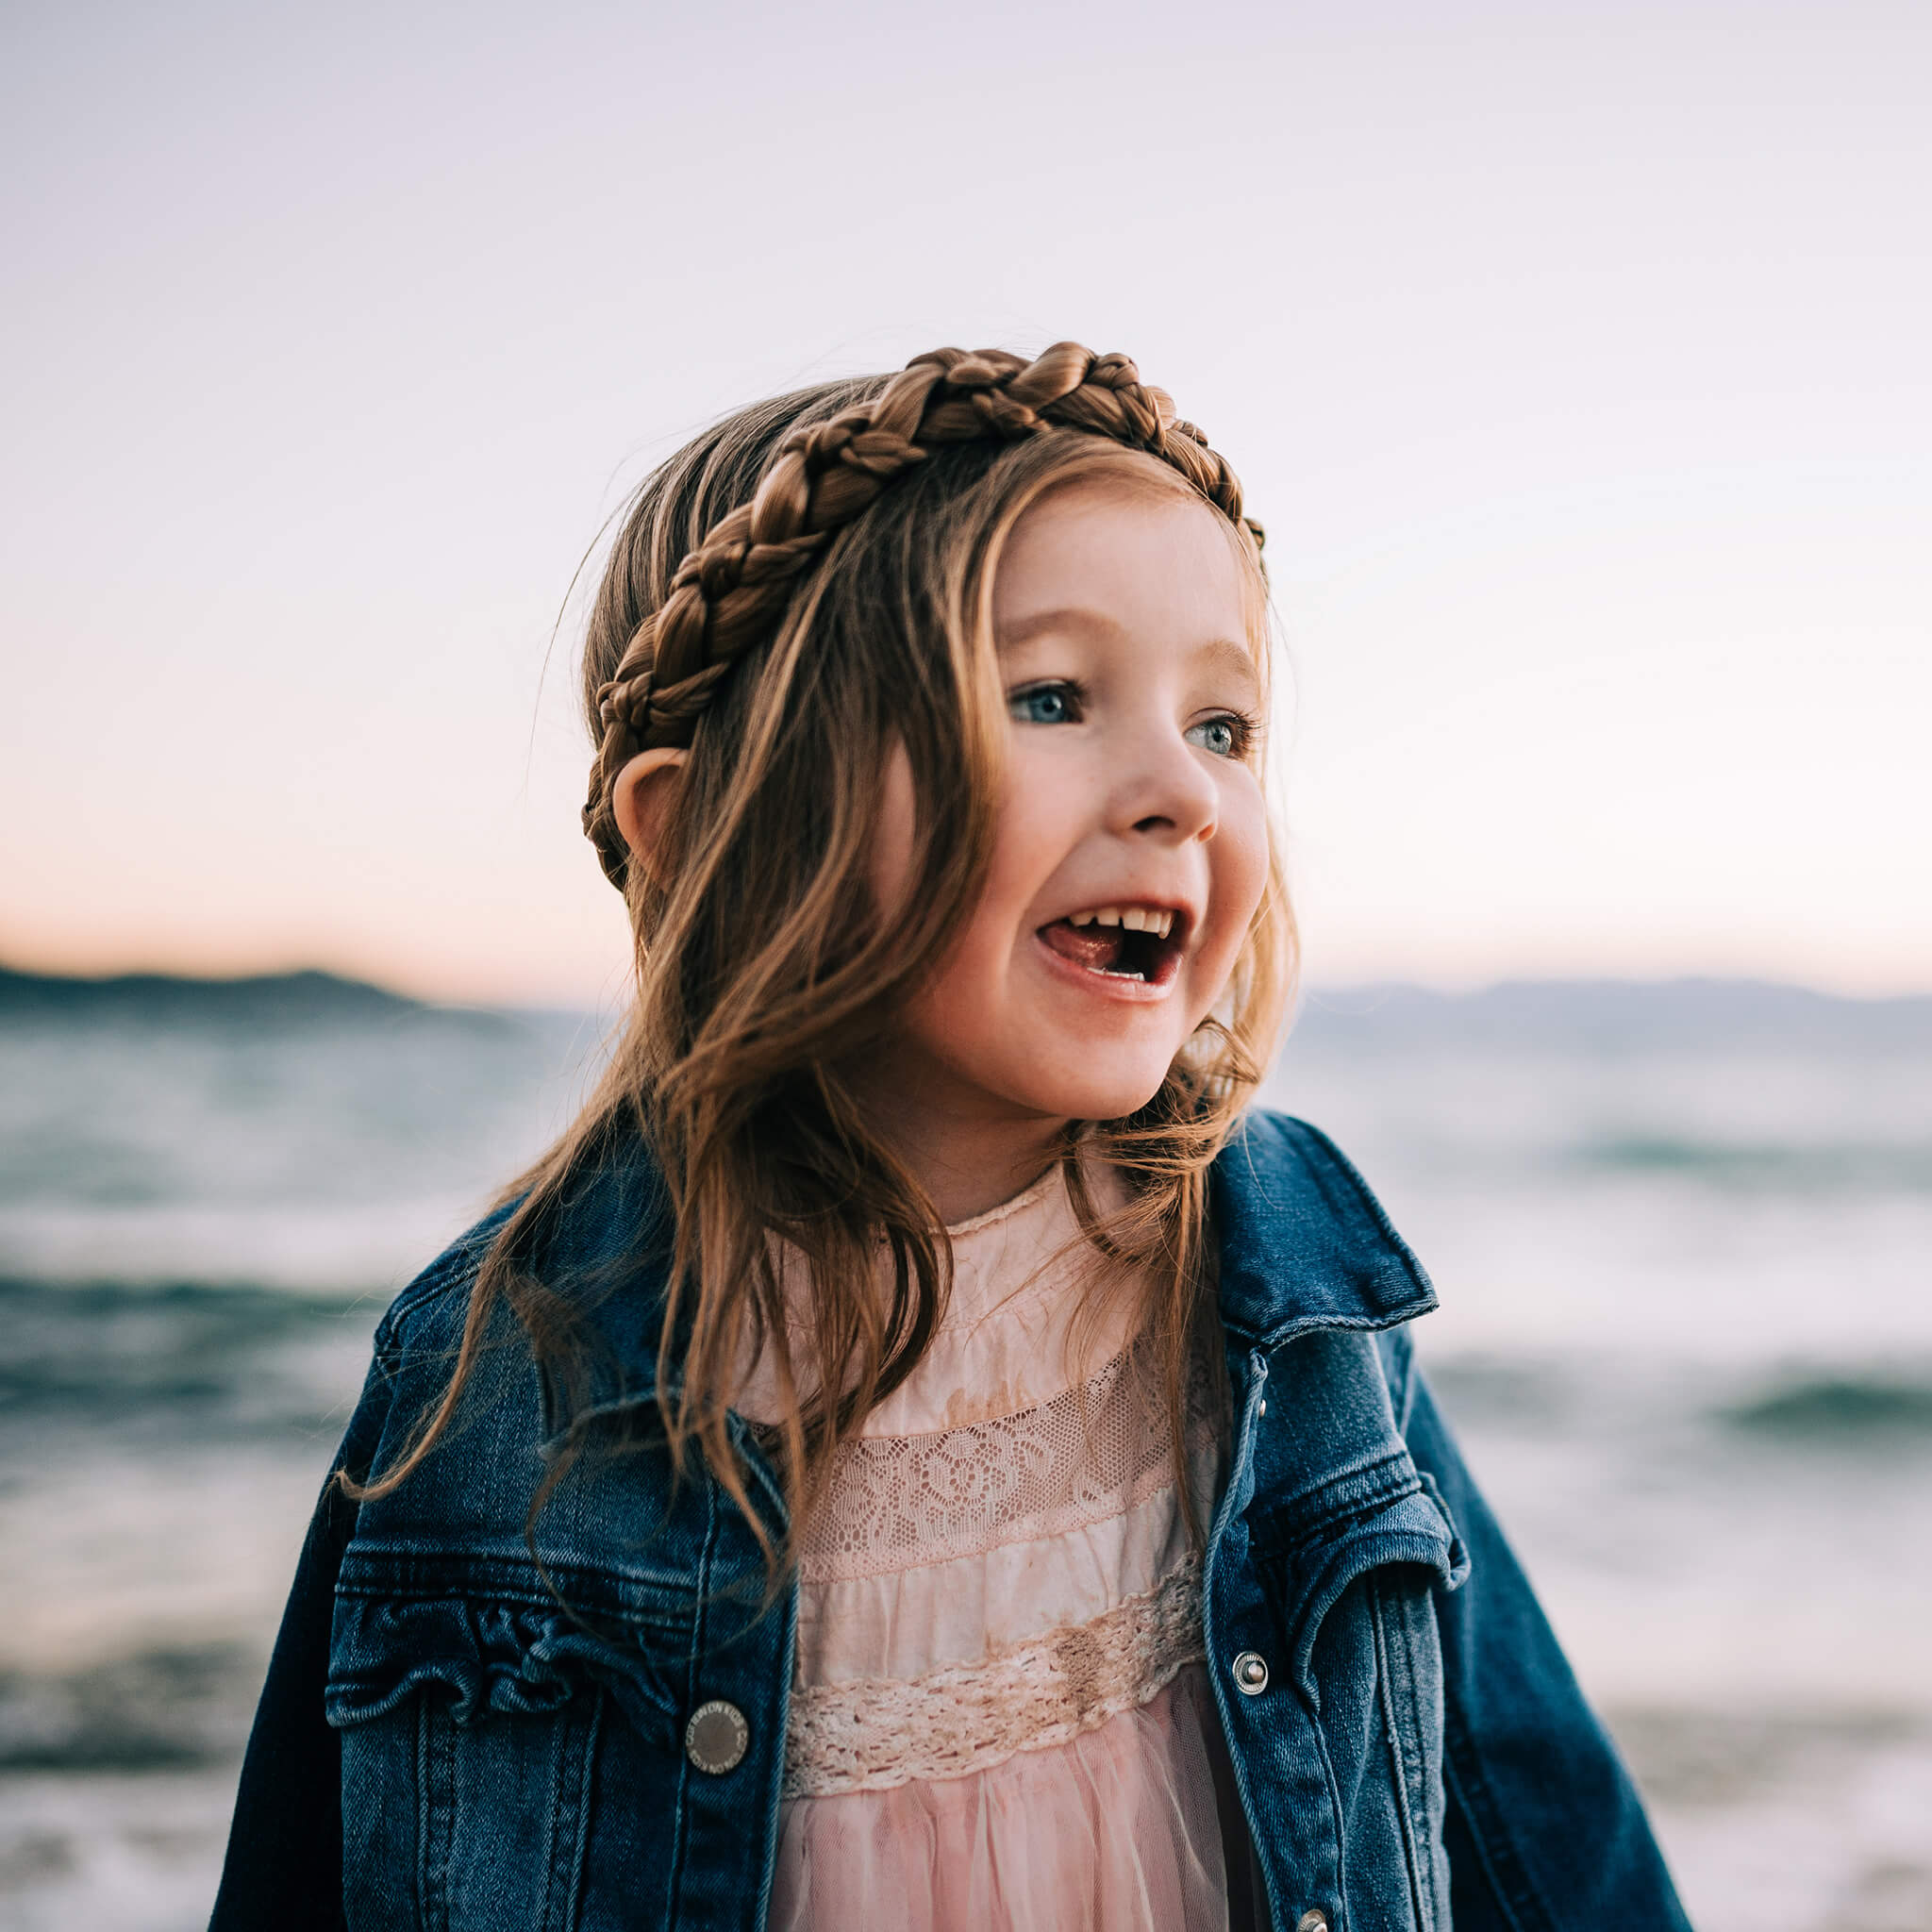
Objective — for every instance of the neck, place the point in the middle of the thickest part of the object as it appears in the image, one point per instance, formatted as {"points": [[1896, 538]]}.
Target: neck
{"points": [[969, 1151]]}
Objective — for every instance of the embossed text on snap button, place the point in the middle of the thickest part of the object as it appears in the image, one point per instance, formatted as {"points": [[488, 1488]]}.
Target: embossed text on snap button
{"points": [[717, 1738]]}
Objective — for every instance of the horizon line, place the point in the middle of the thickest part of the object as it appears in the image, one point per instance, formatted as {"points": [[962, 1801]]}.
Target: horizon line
{"points": [[1310, 996]]}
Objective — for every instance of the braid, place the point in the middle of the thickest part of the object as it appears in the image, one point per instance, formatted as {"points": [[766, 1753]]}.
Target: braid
{"points": [[731, 590]]}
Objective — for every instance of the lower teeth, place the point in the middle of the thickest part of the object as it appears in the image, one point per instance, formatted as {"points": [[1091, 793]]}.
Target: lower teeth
{"points": [[1108, 972]]}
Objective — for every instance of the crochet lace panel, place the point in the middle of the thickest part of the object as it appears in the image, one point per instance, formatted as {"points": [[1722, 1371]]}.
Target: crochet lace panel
{"points": [[879, 1733], [907, 1502]]}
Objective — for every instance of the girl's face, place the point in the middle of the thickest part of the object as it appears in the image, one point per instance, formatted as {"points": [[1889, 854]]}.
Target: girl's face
{"points": [[1131, 849]]}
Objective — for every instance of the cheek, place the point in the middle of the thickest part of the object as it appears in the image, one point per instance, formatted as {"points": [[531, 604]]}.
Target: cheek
{"points": [[962, 1008], [1036, 825], [1043, 811], [1239, 863]]}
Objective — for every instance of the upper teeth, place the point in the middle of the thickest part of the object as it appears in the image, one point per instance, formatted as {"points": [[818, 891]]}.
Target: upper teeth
{"points": [[1135, 918]]}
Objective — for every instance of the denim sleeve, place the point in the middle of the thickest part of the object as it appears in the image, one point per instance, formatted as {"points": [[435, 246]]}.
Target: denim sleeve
{"points": [[1545, 1832], [284, 1864]]}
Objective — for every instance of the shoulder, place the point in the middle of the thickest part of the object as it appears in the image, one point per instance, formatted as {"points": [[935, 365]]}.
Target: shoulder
{"points": [[440, 1292], [597, 1239], [589, 1238]]}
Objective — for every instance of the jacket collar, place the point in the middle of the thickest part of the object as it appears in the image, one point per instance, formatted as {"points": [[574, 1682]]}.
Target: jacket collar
{"points": [[1303, 1244]]}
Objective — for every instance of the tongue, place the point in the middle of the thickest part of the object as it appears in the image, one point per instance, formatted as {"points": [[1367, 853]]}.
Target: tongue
{"points": [[1095, 947]]}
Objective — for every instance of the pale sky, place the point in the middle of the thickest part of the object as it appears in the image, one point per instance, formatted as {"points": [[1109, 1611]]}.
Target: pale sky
{"points": [[1574, 356]]}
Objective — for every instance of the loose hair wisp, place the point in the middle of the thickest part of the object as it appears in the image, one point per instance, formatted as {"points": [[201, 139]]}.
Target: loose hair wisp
{"points": [[800, 594]]}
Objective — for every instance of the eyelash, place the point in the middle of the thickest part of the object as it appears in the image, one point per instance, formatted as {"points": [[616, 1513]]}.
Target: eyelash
{"points": [[1246, 729]]}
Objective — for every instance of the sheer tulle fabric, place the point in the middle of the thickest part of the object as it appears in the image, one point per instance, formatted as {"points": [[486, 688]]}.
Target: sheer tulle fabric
{"points": [[1114, 1832]]}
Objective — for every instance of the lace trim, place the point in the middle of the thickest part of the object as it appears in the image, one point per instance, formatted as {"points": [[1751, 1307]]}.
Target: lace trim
{"points": [[904, 1501], [879, 1733]]}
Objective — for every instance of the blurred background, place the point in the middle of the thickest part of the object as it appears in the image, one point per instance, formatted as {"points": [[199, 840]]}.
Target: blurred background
{"points": [[1574, 356]]}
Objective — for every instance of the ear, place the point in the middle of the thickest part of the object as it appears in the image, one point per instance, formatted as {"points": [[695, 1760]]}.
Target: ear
{"points": [[642, 799]]}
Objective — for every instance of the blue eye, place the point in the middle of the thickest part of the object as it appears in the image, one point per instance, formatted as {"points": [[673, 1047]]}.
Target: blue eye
{"points": [[1045, 704], [1226, 737]]}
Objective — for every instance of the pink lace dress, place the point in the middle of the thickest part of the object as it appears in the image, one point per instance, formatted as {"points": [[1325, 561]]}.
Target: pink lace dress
{"points": [[1000, 1719]]}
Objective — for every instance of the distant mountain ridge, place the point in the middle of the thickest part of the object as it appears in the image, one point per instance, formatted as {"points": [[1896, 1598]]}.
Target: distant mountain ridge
{"points": [[269, 998], [1605, 1015]]}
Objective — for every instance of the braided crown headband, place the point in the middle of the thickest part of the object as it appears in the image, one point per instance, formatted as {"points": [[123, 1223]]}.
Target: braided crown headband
{"points": [[730, 590]]}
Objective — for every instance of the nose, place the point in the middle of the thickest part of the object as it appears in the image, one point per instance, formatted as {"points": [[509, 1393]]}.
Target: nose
{"points": [[1164, 792]]}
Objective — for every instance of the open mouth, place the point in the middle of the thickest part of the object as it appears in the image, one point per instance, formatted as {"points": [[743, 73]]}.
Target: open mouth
{"points": [[1133, 943]]}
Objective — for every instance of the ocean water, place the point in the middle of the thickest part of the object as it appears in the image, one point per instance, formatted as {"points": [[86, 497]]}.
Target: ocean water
{"points": [[1683, 1238]]}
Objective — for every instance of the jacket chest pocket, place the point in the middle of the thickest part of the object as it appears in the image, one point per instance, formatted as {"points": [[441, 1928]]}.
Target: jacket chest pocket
{"points": [[476, 1725], [1354, 1592]]}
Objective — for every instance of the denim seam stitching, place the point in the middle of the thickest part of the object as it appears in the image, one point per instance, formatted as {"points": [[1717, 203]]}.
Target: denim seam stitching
{"points": [[670, 1626], [1421, 1612], [681, 1840], [424, 1805], [576, 1738], [593, 1738], [1214, 1610], [559, 1730], [1418, 1625], [1367, 1471], [1358, 1510], [1311, 1713], [439, 1753], [436, 1580], [1398, 1751]]}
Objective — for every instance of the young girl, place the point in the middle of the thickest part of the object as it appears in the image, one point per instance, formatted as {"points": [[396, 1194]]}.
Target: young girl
{"points": [[917, 1452]]}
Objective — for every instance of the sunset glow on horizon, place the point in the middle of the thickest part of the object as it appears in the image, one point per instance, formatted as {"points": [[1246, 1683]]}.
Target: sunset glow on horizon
{"points": [[1576, 368]]}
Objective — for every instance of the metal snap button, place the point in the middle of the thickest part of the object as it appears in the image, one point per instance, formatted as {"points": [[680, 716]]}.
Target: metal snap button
{"points": [[1263, 1408], [1251, 1676], [1315, 1920], [717, 1738]]}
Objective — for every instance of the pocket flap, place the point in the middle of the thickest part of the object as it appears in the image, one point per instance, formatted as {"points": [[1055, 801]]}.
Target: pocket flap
{"points": [[1401, 1520], [483, 1653]]}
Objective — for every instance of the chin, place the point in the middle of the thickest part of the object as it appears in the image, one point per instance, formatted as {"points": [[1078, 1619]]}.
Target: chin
{"points": [[1085, 1097]]}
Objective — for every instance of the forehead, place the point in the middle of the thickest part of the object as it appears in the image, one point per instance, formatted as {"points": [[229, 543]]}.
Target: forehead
{"points": [[1119, 552]]}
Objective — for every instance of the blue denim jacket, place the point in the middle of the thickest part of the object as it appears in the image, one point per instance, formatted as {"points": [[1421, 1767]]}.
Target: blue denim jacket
{"points": [[443, 1742]]}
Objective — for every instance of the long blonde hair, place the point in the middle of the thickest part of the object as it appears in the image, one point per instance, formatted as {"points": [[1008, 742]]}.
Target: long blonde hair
{"points": [[801, 589]]}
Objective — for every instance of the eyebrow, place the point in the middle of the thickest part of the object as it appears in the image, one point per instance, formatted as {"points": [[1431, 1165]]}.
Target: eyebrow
{"points": [[1223, 654], [1214, 654], [1073, 617]]}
